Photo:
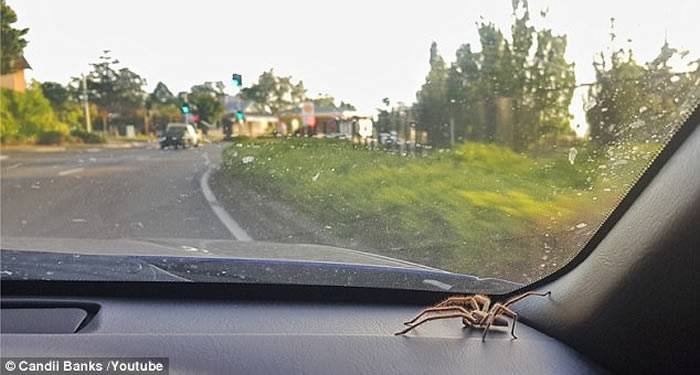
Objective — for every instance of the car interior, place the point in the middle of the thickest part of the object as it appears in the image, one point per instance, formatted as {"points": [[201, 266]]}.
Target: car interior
{"points": [[626, 304]]}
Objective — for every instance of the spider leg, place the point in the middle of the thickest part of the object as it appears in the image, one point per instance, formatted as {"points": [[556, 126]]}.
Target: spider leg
{"points": [[487, 324], [442, 307], [436, 317], [506, 311], [460, 301], [458, 309], [497, 311], [525, 295]]}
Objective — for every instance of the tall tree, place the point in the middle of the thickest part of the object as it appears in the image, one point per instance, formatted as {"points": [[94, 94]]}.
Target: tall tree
{"points": [[13, 41], [462, 78], [56, 93], [116, 92], [615, 100], [511, 92], [207, 99], [162, 107], [551, 88], [432, 104], [275, 93], [161, 94]]}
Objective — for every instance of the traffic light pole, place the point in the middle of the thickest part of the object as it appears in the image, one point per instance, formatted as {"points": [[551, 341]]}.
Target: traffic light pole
{"points": [[187, 113]]}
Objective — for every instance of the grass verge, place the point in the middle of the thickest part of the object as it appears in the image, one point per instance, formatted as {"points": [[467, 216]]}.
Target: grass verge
{"points": [[478, 209]]}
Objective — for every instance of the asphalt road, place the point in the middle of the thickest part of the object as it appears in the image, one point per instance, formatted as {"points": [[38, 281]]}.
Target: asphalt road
{"points": [[103, 193], [142, 193]]}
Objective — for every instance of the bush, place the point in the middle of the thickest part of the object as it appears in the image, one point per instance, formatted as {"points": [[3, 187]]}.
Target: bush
{"points": [[51, 137], [26, 116], [86, 137]]}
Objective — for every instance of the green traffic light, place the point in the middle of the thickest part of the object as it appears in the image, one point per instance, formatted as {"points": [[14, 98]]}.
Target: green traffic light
{"points": [[239, 115], [185, 108], [237, 80]]}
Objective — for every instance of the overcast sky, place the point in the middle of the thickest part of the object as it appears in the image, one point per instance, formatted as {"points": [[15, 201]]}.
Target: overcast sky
{"points": [[358, 51]]}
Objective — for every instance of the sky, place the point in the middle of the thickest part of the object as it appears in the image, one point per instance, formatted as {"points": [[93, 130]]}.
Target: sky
{"points": [[358, 51]]}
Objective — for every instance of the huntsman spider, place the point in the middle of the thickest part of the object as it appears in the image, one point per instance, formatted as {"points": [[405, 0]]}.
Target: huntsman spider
{"points": [[475, 311]]}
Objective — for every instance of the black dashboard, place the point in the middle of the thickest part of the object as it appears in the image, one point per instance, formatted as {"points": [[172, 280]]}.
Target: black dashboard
{"points": [[201, 336]]}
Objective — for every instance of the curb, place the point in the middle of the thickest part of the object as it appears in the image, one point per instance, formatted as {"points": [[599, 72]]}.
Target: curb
{"points": [[82, 146]]}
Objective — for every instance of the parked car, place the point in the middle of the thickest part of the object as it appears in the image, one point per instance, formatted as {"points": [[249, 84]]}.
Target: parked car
{"points": [[177, 135]]}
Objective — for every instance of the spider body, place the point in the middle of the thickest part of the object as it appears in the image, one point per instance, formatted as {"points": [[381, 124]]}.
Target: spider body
{"points": [[475, 311]]}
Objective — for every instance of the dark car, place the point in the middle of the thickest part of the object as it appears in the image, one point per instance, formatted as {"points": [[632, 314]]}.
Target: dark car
{"points": [[179, 135]]}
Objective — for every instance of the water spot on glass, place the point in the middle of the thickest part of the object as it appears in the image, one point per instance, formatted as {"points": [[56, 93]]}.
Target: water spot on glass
{"points": [[581, 225], [315, 177]]}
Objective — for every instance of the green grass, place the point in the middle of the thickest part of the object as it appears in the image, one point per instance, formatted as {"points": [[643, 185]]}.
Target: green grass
{"points": [[479, 209]]}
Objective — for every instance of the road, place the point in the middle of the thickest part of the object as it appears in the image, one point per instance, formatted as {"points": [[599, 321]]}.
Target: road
{"points": [[103, 193], [141, 193]]}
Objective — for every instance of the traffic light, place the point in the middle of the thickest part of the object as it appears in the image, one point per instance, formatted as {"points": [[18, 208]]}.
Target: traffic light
{"points": [[237, 80], [185, 108], [240, 116]]}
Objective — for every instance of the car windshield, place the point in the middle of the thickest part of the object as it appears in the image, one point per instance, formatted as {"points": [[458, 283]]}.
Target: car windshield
{"points": [[176, 129], [480, 139]]}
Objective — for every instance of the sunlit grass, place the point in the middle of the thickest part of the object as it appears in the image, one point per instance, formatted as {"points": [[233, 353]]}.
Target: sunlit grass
{"points": [[479, 209]]}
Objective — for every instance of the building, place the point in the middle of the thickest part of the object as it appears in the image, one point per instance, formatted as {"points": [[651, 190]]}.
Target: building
{"points": [[255, 122], [328, 121], [14, 80]]}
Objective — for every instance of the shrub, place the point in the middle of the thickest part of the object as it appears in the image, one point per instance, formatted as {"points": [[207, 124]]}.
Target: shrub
{"points": [[86, 137], [51, 137], [25, 116]]}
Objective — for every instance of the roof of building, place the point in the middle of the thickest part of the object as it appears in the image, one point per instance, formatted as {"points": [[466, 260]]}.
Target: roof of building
{"points": [[18, 64]]}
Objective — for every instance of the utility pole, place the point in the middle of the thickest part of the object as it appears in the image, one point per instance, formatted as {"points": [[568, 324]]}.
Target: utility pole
{"points": [[88, 124]]}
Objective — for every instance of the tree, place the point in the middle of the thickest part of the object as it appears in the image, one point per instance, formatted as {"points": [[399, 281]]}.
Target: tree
{"points": [[118, 93], [509, 92], [207, 99], [67, 108], [162, 106], [27, 115], [551, 89], [324, 101], [274, 93], [13, 41], [616, 98], [56, 93], [462, 94], [343, 106], [639, 103], [431, 106]]}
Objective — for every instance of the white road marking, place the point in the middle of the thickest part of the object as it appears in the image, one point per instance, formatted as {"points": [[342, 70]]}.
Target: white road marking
{"points": [[13, 166], [238, 233], [70, 171], [4, 157]]}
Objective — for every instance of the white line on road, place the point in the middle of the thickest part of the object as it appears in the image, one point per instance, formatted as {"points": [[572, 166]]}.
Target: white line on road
{"points": [[70, 171], [226, 219], [3, 157]]}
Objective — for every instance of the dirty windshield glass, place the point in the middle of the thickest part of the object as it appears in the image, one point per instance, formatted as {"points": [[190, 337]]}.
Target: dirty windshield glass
{"points": [[484, 138]]}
